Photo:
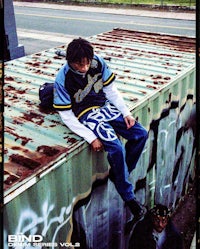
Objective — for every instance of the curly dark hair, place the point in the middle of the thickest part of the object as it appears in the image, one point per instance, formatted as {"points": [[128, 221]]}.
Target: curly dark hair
{"points": [[161, 210], [79, 49]]}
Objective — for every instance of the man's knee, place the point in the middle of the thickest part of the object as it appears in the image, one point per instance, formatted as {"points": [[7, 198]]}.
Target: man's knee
{"points": [[140, 134], [144, 133]]}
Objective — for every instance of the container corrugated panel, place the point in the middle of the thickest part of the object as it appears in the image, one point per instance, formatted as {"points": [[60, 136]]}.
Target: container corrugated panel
{"points": [[144, 63], [154, 73]]}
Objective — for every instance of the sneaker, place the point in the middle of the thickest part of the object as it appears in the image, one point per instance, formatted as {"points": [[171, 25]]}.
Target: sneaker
{"points": [[136, 209], [138, 212], [111, 175]]}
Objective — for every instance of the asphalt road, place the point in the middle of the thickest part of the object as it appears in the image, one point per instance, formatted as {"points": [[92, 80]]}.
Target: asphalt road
{"points": [[40, 28]]}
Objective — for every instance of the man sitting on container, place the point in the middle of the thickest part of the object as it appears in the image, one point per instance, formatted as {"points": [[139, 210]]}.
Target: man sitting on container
{"points": [[90, 105], [156, 231]]}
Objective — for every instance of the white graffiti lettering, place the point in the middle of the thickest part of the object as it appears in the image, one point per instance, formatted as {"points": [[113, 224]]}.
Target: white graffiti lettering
{"points": [[30, 223]]}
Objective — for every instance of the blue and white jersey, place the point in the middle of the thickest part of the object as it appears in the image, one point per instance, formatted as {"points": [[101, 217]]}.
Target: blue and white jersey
{"points": [[79, 92]]}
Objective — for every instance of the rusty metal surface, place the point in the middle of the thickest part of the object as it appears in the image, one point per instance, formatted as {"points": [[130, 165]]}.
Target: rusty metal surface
{"points": [[144, 63], [34, 139]]}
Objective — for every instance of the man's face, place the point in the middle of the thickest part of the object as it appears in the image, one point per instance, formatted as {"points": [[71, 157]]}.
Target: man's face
{"points": [[82, 66], [159, 222]]}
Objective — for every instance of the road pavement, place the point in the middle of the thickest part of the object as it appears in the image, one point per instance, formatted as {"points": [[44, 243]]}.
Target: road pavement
{"points": [[123, 11], [36, 40]]}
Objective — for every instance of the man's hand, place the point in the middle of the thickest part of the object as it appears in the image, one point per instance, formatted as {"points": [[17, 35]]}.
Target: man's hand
{"points": [[97, 145], [130, 121]]}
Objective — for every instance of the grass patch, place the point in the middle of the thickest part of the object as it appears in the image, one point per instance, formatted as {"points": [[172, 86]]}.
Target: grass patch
{"points": [[154, 2], [187, 3], [181, 3]]}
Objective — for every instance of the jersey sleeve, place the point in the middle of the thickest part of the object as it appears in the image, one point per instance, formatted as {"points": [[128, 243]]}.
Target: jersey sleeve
{"points": [[113, 95], [71, 121], [107, 75], [62, 99]]}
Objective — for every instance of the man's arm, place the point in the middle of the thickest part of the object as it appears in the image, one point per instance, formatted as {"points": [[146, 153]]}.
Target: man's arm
{"points": [[116, 99], [71, 121]]}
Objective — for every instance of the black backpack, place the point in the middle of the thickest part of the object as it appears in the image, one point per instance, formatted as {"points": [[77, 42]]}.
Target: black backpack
{"points": [[46, 95]]}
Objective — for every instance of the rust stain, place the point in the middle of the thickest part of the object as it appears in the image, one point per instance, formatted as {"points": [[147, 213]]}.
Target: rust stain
{"points": [[34, 64], [11, 131], [151, 87], [24, 161], [32, 115], [183, 44], [20, 167], [56, 57], [8, 78], [133, 99], [159, 82], [72, 140], [156, 76], [168, 64], [10, 179], [10, 88], [16, 93], [48, 61], [143, 92], [107, 58], [24, 150], [47, 150]]}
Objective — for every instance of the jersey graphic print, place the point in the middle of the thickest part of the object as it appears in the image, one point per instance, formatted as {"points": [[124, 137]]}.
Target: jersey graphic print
{"points": [[97, 120], [82, 93], [92, 82]]}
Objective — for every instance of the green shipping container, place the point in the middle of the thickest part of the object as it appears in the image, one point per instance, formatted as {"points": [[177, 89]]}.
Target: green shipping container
{"points": [[56, 190]]}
